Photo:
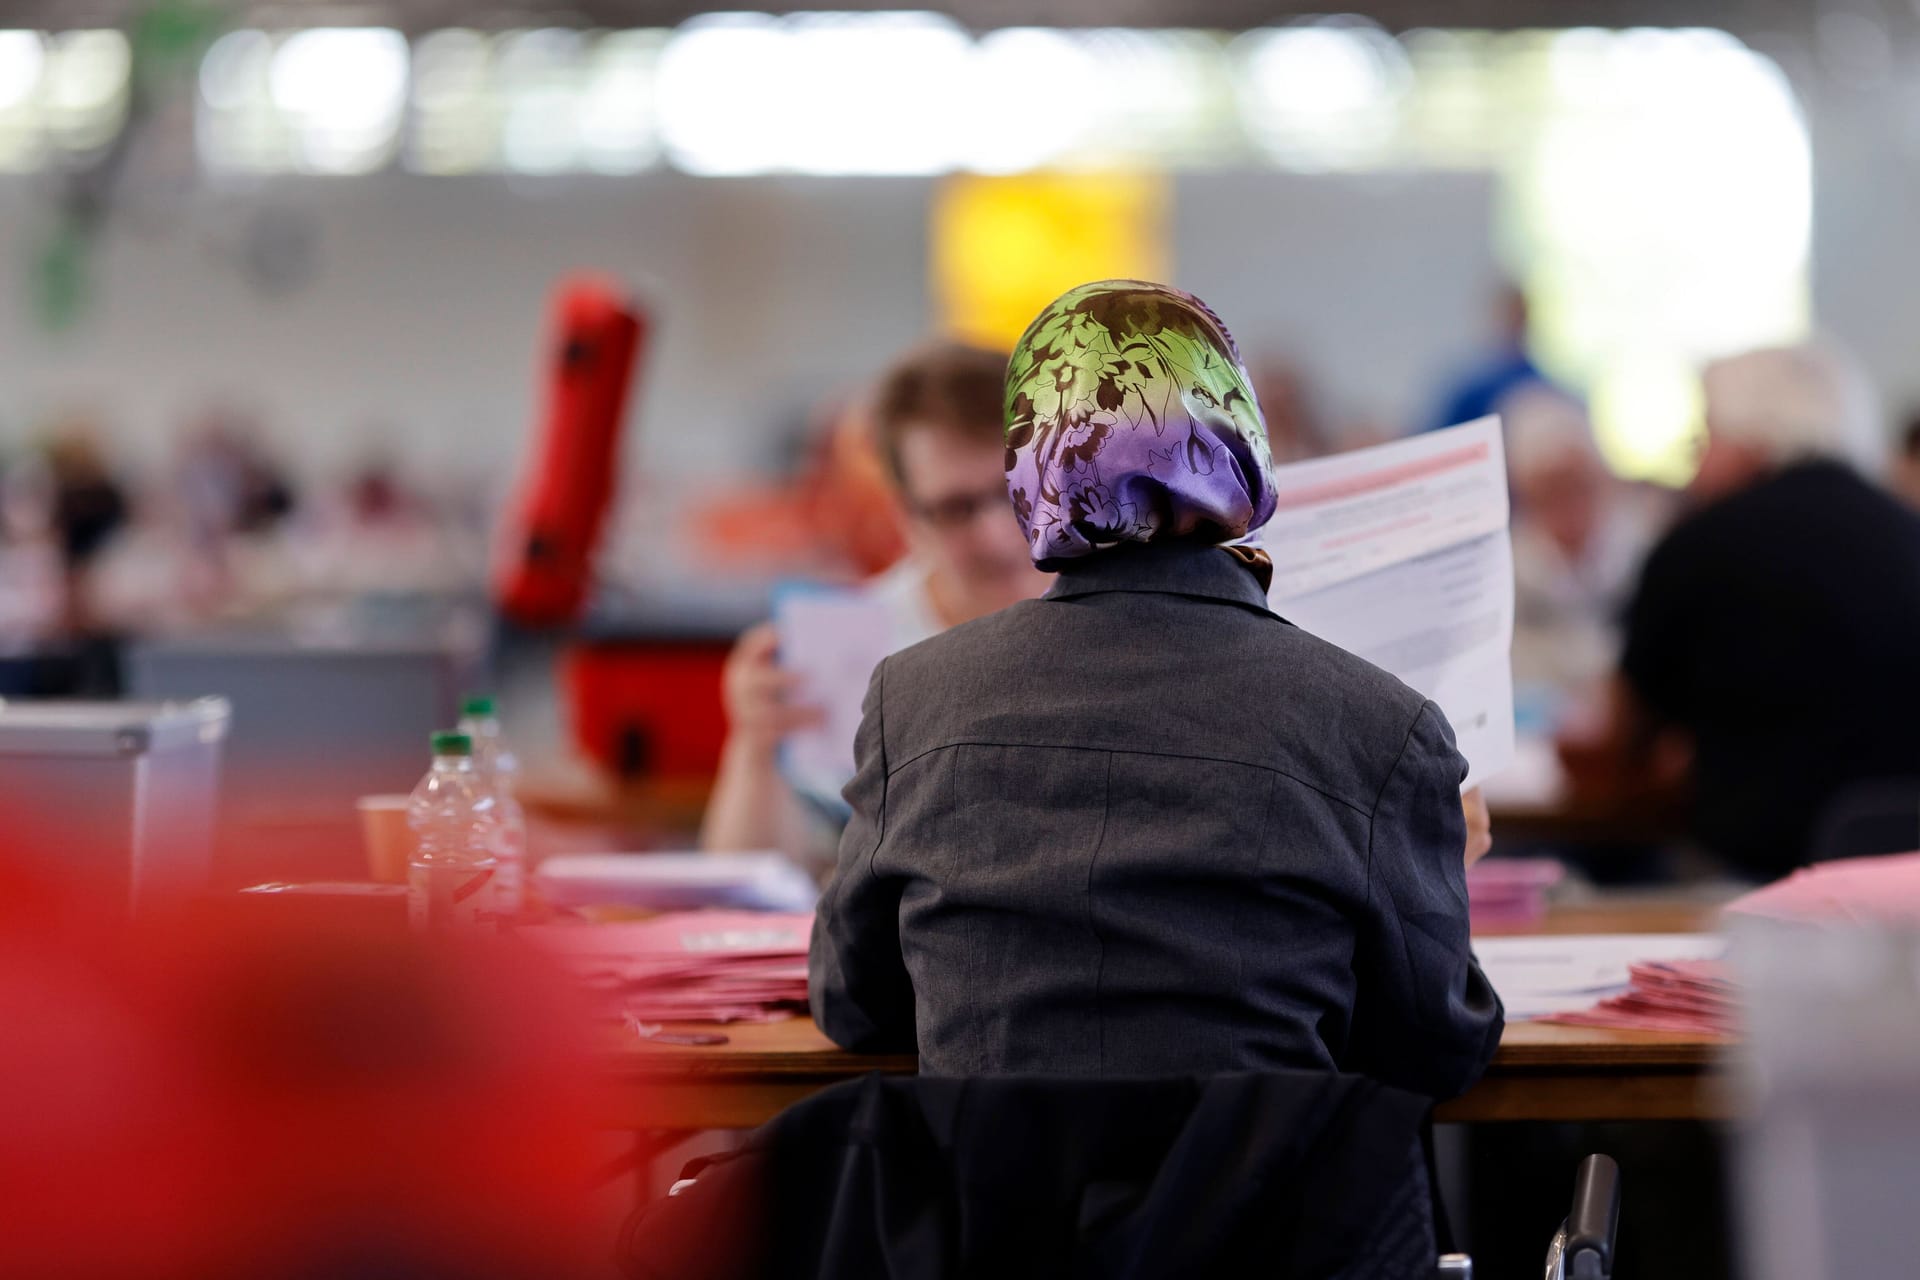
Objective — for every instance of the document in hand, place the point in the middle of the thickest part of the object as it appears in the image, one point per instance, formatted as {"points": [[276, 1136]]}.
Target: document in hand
{"points": [[1400, 554], [832, 639]]}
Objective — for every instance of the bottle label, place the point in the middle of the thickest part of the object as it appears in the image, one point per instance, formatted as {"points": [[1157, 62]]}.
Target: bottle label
{"points": [[449, 897], [510, 887], [510, 867]]}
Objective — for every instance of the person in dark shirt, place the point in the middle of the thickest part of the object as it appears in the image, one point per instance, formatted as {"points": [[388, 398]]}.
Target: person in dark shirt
{"points": [[1144, 826], [1772, 653]]}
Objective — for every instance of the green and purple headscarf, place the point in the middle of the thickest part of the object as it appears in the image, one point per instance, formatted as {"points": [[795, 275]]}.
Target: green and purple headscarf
{"points": [[1130, 419]]}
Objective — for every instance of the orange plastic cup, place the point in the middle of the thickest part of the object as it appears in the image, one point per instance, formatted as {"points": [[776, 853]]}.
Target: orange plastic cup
{"points": [[389, 840]]}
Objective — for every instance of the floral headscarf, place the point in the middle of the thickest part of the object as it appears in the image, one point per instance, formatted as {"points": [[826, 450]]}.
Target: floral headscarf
{"points": [[1130, 419]]}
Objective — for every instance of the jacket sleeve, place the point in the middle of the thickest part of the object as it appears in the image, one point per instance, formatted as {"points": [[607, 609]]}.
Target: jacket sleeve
{"points": [[1425, 1017], [857, 982]]}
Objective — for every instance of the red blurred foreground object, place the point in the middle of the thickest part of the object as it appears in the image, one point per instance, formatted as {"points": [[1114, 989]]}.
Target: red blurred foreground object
{"points": [[545, 569], [225, 1092]]}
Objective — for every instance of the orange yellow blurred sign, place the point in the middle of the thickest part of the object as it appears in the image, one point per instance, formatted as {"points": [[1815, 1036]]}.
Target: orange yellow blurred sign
{"points": [[1004, 247]]}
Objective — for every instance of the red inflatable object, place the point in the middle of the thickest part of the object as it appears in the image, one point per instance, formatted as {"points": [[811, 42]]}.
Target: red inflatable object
{"points": [[544, 570], [643, 707]]}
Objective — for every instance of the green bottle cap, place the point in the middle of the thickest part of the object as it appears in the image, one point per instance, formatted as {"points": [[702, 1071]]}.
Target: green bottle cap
{"points": [[452, 744], [479, 708]]}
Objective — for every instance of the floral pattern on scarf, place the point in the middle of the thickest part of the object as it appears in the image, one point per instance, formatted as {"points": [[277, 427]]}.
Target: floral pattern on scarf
{"points": [[1130, 419]]}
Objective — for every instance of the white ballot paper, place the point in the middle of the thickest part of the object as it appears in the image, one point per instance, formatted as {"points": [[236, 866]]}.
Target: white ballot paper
{"points": [[1570, 973], [833, 639], [1400, 554]]}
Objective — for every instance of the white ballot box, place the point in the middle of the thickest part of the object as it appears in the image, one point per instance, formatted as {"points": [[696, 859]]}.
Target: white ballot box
{"points": [[1827, 1097], [1400, 554], [121, 793]]}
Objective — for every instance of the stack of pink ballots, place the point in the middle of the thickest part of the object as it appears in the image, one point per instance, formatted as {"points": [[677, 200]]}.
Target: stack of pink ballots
{"points": [[1694, 997], [689, 966], [1885, 889], [1510, 891]]}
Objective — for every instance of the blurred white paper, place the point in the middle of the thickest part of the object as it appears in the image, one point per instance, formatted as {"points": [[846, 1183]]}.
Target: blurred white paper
{"points": [[1400, 554], [1539, 974], [676, 881], [832, 640]]}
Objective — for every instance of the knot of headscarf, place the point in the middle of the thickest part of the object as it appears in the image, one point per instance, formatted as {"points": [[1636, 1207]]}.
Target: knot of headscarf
{"points": [[1130, 419]]}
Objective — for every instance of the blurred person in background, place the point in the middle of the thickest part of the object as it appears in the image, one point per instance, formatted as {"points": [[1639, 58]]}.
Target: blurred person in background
{"points": [[1770, 655], [1296, 429], [206, 544], [936, 421], [231, 483], [1505, 368], [374, 533], [90, 507], [1906, 462], [90, 504], [33, 580], [1579, 536]]}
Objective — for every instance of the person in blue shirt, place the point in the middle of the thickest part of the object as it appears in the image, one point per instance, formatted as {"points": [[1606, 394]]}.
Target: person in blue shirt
{"points": [[1479, 390]]}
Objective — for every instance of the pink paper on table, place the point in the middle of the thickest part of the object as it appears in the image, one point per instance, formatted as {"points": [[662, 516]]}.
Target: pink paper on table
{"points": [[1695, 997], [689, 966], [1502, 891], [1851, 889]]}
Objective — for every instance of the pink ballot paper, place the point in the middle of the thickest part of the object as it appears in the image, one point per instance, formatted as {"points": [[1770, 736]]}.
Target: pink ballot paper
{"points": [[689, 966], [1400, 554], [1883, 889]]}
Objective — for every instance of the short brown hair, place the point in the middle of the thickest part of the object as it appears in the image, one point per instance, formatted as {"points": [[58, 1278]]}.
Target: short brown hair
{"points": [[950, 385]]}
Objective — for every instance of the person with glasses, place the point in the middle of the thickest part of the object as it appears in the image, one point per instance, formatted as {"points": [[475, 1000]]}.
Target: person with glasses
{"points": [[936, 422]]}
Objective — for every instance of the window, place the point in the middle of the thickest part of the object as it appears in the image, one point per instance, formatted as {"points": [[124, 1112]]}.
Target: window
{"points": [[62, 97]]}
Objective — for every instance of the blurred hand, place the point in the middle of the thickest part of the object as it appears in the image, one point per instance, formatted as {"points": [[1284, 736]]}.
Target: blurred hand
{"points": [[759, 694], [1479, 825]]}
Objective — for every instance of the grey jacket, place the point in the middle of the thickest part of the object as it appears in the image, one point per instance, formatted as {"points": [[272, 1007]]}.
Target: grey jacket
{"points": [[1144, 826]]}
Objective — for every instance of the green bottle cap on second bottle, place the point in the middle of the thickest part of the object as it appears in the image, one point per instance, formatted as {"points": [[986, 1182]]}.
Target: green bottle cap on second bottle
{"points": [[479, 708], [452, 744]]}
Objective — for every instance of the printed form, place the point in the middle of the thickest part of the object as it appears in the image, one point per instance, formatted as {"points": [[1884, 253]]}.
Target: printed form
{"points": [[1400, 554], [833, 639]]}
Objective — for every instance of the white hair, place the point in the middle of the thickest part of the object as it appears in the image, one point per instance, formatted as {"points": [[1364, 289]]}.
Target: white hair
{"points": [[1544, 426], [1797, 403]]}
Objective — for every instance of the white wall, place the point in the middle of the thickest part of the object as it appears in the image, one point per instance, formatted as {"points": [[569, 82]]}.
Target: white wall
{"points": [[428, 298], [1379, 284], [420, 322]]}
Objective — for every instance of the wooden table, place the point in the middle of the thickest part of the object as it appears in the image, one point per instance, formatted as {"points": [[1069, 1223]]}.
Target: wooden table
{"points": [[1541, 1071]]}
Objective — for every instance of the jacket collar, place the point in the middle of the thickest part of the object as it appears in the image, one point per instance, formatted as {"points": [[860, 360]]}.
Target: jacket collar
{"points": [[1167, 568]]}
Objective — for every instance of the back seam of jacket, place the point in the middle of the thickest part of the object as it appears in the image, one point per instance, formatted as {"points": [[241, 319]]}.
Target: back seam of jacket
{"points": [[1259, 871], [1100, 946]]}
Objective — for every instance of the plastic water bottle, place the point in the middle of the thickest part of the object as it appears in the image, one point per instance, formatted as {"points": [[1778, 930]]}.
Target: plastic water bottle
{"points": [[497, 766], [455, 821]]}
